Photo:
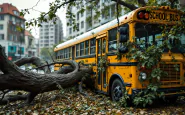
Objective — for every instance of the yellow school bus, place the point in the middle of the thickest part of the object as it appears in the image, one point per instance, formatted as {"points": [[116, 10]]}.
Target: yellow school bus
{"points": [[102, 41]]}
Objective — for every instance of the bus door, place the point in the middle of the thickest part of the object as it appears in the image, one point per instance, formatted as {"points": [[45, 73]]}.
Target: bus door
{"points": [[100, 54]]}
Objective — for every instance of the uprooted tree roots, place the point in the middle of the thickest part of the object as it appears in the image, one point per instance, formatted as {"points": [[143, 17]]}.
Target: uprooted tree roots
{"points": [[14, 78]]}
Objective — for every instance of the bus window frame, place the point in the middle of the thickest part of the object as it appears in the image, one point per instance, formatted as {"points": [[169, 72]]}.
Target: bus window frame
{"points": [[70, 52], [77, 50], [86, 53], [94, 46], [82, 47], [116, 40]]}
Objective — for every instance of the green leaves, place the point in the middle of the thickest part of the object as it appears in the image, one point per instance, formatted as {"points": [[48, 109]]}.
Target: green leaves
{"points": [[148, 59]]}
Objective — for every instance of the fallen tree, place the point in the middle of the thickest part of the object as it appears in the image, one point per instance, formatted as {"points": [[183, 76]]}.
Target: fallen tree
{"points": [[14, 78]]}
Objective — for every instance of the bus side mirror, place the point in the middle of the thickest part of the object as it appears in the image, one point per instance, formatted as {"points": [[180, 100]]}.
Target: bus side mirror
{"points": [[123, 34]]}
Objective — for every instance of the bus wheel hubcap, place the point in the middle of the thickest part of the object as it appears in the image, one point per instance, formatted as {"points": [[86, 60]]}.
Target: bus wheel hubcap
{"points": [[117, 93]]}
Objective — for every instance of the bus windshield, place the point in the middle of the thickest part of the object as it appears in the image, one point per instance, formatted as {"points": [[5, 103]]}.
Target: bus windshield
{"points": [[151, 34]]}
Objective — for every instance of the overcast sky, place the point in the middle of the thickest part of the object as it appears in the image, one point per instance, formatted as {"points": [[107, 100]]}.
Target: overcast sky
{"points": [[43, 6]]}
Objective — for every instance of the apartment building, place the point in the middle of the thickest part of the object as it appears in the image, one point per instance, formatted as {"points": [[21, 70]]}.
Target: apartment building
{"points": [[50, 33], [11, 38], [88, 20]]}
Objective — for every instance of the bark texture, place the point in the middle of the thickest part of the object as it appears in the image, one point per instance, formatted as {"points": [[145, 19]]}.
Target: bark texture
{"points": [[15, 78]]}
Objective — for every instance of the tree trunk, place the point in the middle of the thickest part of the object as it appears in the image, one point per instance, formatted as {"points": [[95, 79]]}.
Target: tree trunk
{"points": [[15, 78]]}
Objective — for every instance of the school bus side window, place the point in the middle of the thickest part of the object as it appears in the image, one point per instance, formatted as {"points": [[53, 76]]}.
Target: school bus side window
{"points": [[69, 52], [112, 44], [92, 46], [62, 54], [56, 54], [65, 53], [87, 47], [82, 49], [77, 50]]}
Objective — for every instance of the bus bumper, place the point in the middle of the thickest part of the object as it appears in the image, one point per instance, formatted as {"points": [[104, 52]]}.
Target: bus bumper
{"points": [[169, 92]]}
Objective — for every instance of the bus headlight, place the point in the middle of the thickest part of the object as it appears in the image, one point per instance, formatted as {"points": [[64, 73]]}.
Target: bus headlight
{"points": [[143, 76]]}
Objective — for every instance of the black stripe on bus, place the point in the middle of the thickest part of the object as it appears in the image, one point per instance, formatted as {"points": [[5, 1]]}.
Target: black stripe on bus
{"points": [[124, 64], [87, 56], [90, 64], [111, 54], [118, 64]]}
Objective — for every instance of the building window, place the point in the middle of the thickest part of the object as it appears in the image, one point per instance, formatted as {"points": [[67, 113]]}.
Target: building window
{"points": [[46, 41], [1, 27], [89, 22], [46, 44], [77, 26], [78, 15], [2, 17], [70, 30], [22, 25], [1, 36], [82, 14], [46, 37], [10, 36], [11, 19], [51, 36], [17, 20], [113, 11], [16, 13], [14, 37], [82, 24], [1, 9]]}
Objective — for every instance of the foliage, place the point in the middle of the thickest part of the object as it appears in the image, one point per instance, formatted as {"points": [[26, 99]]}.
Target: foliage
{"points": [[148, 59], [47, 54], [72, 102]]}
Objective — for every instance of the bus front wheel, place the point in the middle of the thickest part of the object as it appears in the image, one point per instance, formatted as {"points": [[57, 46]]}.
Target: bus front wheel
{"points": [[117, 90]]}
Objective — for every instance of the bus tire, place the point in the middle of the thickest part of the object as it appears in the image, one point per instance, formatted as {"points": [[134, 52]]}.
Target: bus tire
{"points": [[117, 90]]}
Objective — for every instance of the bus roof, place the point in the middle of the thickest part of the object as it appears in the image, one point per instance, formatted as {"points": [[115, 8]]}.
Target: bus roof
{"points": [[94, 31]]}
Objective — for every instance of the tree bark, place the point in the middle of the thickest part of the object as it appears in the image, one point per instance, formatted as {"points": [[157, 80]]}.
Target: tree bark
{"points": [[130, 6], [15, 78]]}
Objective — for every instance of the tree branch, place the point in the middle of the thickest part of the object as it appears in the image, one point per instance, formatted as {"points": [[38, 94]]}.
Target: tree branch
{"points": [[130, 6], [142, 2]]}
